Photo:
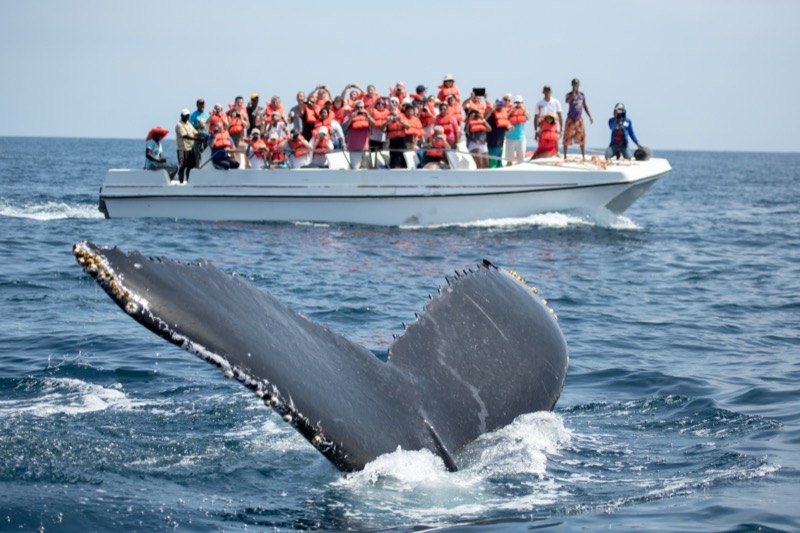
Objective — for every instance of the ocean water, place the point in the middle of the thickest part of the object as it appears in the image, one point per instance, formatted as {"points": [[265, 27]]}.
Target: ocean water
{"points": [[681, 409]]}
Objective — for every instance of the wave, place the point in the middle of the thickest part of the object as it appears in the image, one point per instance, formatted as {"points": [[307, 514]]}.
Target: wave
{"points": [[552, 220], [48, 210]]}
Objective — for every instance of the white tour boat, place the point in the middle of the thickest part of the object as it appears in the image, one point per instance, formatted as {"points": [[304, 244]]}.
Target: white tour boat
{"points": [[385, 197]]}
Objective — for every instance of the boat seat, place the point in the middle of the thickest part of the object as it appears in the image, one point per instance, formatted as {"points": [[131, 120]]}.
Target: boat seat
{"points": [[460, 160]]}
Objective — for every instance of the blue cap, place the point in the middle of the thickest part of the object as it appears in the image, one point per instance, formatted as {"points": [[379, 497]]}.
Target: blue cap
{"points": [[499, 102]]}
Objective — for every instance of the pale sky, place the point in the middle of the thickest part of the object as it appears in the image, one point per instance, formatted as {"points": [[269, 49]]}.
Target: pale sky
{"points": [[694, 74]]}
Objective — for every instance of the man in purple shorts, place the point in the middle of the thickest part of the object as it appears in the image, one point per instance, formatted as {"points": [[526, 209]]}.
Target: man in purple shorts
{"points": [[574, 131]]}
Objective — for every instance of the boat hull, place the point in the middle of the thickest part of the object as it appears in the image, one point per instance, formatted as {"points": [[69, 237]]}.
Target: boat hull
{"points": [[380, 196]]}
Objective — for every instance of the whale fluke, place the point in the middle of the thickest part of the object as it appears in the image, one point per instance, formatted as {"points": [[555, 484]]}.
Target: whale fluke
{"points": [[484, 351]]}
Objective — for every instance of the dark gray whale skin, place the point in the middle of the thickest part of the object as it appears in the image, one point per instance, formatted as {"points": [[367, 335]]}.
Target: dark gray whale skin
{"points": [[485, 351]]}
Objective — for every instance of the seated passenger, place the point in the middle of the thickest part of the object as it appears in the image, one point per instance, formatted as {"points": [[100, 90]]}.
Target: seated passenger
{"points": [[476, 130], [435, 149], [153, 153], [218, 116], [257, 151], [275, 156], [321, 145], [621, 132], [297, 150], [548, 137], [221, 144]]}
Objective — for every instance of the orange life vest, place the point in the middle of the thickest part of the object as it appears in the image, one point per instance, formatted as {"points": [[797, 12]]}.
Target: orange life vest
{"points": [[501, 119], [437, 148], [321, 146], [258, 148], [298, 148], [548, 136], [319, 123], [359, 122], [270, 109], [339, 113], [237, 126], [517, 116], [455, 112], [476, 125], [416, 127], [444, 92], [310, 115], [380, 116], [396, 129], [369, 100], [446, 122], [426, 115], [222, 140], [480, 107], [276, 156], [399, 94]]}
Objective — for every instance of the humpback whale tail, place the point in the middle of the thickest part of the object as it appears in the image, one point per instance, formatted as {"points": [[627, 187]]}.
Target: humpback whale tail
{"points": [[486, 350]]}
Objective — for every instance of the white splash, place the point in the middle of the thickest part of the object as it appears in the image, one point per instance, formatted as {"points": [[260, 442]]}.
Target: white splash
{"points": [[48, 210]]}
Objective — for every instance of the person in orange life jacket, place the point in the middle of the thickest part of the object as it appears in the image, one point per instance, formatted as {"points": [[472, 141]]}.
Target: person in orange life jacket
{"points": [[275, 106], [621, 133], [415, 133], [399, 91], [297, 150], [275, 155], [218, 116], [452, 132], [516, 140], [321, 145], [427, 114], [498, 120], [395, 127], [435, 148], [548, 137], [335, 130], [447, 88], [256, 151], [358, 127], [454, 109], [377, 137], [238, 106], [154, 159], [476, 102], [236, 128], [476, 130], [221, 145]]}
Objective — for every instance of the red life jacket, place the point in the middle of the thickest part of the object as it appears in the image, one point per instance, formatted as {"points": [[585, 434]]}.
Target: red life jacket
{"points": [[310, 115], [237, 126], [298, 148], [258, 148], [517, 116], [399, 94], [222, 140], [276, 156], [455, 111], [437, 148], [476, 124], [396, 129], [380, 116], [321, 146], [270, 109], [548, 137], [339, 113], [501, 119], [416, 127], [319, 123], [446, 122], [444, 92], [359, 122], [426, 115]]}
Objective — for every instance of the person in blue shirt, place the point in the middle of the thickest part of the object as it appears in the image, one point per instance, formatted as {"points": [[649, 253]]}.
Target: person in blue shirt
{"points": [[200, 114], [621, 133]]}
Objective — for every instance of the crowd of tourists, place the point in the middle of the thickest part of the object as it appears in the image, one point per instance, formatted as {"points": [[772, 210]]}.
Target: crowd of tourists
{"points": [[365, 123]]}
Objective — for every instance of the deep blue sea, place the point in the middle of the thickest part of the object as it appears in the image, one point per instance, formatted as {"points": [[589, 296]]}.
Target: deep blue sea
{"points": [[681, 409]]}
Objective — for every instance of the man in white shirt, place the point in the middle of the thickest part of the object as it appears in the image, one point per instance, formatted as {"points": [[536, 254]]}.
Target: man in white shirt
{"points": [[548, 104]]}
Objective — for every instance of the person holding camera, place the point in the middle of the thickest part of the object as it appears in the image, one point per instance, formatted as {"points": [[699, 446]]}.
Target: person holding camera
{"points": [[256, 152], [297, 150], [321, 145], [357, 126], [476, 130], [395, 128]]}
